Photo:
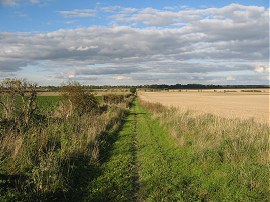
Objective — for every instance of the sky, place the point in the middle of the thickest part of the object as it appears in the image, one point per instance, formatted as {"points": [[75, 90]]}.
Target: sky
{"points": [[127, 42]]}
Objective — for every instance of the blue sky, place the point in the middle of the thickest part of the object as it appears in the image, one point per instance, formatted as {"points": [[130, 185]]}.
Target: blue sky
{"points": [[26, 16], [135, 42]]}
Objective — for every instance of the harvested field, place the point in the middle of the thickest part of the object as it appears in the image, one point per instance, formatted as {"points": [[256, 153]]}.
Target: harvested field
{"points": [[243, 105], [49, 93]]}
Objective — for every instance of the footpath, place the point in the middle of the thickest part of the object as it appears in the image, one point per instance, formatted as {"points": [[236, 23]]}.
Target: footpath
{"points": [[142, 164]]}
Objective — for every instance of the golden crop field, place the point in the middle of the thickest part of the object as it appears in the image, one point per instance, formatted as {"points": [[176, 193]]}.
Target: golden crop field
{"points": [[232, 104]]}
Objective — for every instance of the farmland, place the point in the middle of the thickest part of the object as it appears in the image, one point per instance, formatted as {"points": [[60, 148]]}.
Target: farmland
{"points": [[231, 104], [203, 158], [136, 150], [134, 101]]}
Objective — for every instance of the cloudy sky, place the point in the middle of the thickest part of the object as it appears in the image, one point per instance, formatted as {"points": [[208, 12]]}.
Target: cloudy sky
{"points": [[135, 42]]}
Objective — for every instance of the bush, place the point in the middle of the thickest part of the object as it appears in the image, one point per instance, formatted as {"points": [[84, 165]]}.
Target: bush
{"points": [[77, 100], [113, 99], [18, 100], [132, 90]]}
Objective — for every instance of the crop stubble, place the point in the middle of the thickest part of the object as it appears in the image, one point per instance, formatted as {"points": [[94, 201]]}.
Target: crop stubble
{"points": [[243, 105]]}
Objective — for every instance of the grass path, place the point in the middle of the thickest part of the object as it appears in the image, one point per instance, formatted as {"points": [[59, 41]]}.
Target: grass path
{"points": [[161, 170], [143, 164], [118, 180]]}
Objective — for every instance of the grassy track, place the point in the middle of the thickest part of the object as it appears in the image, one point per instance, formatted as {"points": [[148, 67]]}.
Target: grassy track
{"points": [[161, 166], [118, 179], [144, 163]]}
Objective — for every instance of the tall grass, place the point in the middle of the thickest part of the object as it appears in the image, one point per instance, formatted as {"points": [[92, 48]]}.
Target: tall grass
{"points": [[227, 159], [38, 162]]}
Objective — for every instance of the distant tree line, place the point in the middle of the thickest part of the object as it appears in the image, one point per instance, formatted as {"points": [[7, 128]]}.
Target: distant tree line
{"points": [[200, 86], [157, 86]]}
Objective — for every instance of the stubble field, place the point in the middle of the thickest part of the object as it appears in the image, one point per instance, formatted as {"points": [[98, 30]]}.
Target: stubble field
{"points": [[233, 104]]}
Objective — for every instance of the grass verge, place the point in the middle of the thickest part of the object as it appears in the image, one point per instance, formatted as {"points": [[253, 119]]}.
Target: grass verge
{"points": [[55, 157], [205, 158]]}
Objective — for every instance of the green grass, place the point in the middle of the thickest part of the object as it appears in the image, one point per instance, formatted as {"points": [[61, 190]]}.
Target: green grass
{"points": [[99, 99], [116, 181], [47, 103], [187, 160], [44, 103], [162, 163]]}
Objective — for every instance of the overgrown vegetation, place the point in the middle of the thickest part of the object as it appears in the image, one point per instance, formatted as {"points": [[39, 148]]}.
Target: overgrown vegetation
{"points": [[217, 159], [18, 101], [116, 99], [78, 101], [41, 160], [133, 90], [76, 147]]}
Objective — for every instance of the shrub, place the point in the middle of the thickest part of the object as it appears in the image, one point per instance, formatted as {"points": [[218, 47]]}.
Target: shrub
{"points": [[77, 100], [113, 99], [132, 90], [18, 100]]}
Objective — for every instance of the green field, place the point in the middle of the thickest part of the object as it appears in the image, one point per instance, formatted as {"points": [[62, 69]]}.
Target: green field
{"points": [[48, 103]]}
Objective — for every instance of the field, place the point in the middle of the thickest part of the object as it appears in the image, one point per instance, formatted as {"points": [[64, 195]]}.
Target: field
{"points": [[202, 157], [231, 104], [96, 92], [133, 150]]}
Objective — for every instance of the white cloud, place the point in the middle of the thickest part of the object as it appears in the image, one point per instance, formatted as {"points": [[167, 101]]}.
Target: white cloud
{"points": [[261, 68], [9, 2], [17, 2], [121, 77], [147, 16], [69, 22], [230, 78], [232, 38], [82, 48], [226, 17], [78, 13]]}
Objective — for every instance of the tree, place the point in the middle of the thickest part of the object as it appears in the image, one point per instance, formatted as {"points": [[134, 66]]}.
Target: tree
{"points": [[133, 90], [18, 100], [77, 99]]}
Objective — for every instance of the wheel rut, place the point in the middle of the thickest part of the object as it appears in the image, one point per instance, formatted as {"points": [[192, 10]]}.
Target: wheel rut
{"points": [[135, 148]]}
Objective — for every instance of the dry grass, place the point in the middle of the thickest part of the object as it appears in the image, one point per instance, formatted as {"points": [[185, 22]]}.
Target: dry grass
{"points": [[229, 155], [48, 93], [49, 153], [228, 90], [42, 150], [243, 105]]}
